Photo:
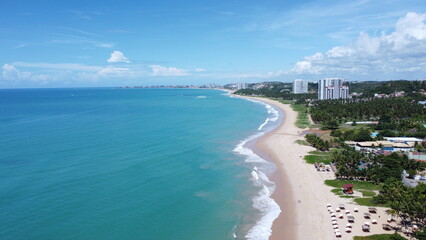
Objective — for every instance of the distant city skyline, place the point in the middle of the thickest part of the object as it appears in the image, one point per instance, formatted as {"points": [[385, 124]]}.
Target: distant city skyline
{"points": [[107, 43]]}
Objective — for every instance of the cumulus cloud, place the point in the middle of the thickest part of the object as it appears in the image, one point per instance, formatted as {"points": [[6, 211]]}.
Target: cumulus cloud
{"points": [[117, 56], [113, 72], [403, 50], [11, 73], [158, 70]]}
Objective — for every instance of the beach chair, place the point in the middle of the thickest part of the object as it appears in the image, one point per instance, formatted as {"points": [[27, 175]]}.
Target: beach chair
{"points": [[365, 228], [386, 227], [372, 210]]}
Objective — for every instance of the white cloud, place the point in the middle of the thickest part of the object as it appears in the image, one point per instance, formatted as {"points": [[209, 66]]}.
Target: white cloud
{"points": [[200, 70], [58, 66], [113, 72], [316, 57], [158, 70], [304, 67], [11, 73], [403, 50], [117, 56]]}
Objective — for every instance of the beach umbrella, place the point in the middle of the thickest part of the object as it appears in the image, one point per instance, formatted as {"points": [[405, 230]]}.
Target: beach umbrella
{"points": [[332, 214], [340, 216], [355, 209], [336, 230], [334, 222], [335, 226], [347, 211], [367, 223], [333, 218], [374, 221], [337, 209], [348, 225], [328, 204]]}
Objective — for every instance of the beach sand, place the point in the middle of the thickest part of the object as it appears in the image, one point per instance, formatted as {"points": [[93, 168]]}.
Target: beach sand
{"points": [[301, 192]]}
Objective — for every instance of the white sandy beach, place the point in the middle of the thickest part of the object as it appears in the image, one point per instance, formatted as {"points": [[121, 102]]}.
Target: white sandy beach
{"points": [[301, 192]]}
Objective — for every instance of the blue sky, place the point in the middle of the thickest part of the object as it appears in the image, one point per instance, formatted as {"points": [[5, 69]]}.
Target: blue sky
{"points": [[116, 43]]}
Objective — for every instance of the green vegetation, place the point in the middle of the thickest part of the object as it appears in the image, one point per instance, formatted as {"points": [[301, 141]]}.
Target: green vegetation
{"points": [[396, 116], [367, 193], [371, 109], [319, 157], [302, 142], [302, 115], [368, 202], [366, 188], [352, 164], [408, 203], [358, 185], [394, 236], [337, 191], [317, 142]]}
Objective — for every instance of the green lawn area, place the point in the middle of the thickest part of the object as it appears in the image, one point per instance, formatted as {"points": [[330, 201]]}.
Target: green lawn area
{"points": [[367, 202], [302, 142], [302, 115], [380, 237], [350, 127], [366, 188], [318, 157], [366, 193], [358, 185]]}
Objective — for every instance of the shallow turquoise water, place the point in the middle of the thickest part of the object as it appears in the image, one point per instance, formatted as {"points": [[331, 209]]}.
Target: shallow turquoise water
{"points": [[125, 164]]}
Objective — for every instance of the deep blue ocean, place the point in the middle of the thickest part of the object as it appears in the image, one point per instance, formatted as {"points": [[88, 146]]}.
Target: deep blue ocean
{"points": [[105, 163]]}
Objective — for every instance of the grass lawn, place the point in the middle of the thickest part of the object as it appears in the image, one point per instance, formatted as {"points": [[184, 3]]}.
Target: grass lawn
{"points": [[366, 193], [358, 185], [302, 115], [302, 112], [302, 142], [318, 157], [368, 202], [379, 237], [366, 188]]}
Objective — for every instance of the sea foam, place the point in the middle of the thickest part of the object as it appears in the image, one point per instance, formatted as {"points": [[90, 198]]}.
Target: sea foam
{"points": [[262, 202]]}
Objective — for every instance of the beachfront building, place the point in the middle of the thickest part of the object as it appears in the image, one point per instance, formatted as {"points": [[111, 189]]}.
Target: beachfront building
{"points": [[332, 88], [242, 86], [390, 144], [300, 86]]}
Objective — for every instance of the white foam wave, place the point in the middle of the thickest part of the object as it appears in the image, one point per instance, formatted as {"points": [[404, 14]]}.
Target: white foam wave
{"points": [[263, 202], [267, 207], [270, 210], [255, 175], [201, 97]]}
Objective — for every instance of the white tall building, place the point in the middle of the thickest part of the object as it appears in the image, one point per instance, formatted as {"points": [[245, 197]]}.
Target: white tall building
{"points": [[331, 88], [241, 86], [300, 86]]}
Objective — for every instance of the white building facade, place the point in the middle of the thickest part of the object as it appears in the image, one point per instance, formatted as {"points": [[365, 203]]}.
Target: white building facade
{"points": [[331, 88], [300, 86]]}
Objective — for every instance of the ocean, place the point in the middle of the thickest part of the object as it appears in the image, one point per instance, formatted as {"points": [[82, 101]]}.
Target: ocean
{"points": [[106, 163]]}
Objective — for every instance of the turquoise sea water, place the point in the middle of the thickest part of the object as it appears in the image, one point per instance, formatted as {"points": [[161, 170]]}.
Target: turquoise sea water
{"points": [[131, 164]]}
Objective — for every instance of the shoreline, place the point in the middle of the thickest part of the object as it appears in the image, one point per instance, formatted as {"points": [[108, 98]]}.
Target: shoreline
{"points": [[301, 209]]}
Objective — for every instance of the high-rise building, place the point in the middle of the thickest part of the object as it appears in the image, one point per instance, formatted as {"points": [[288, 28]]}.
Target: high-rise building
{"points": [[241, 86], [300, 86], [331, 88]]}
